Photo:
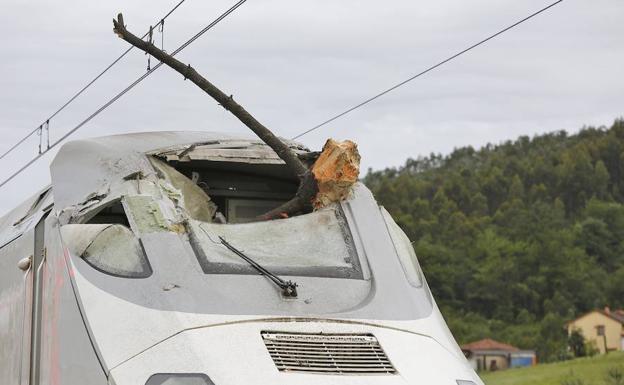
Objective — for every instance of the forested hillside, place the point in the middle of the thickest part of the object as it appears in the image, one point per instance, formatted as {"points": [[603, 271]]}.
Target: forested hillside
{"points": [[517, 238]]}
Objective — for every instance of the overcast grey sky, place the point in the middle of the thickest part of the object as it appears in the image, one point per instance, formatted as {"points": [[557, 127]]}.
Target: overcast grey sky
{"points": [[294, 64]]}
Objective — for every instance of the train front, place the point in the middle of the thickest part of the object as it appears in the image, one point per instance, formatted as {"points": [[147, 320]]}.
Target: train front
{"points": [[178, 286]]}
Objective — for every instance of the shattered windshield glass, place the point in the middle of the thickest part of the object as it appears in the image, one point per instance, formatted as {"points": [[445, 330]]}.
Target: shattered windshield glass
{"points": [[318, 244]]}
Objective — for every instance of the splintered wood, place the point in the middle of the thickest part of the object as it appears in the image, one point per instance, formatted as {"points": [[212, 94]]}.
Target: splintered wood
{"points": [[335, 171]]}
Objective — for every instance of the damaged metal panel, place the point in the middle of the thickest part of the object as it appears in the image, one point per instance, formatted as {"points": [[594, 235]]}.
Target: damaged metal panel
{"points": [[87, 174], [234, 155], [253, 152], [184, 192], [25, 216], [84, 166], [147, 216]]}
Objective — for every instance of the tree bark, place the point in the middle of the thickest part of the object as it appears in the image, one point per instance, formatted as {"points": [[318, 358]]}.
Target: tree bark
{"points": [[307, 186]]}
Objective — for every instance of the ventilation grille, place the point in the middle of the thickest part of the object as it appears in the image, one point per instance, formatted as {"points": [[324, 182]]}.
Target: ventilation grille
{"points": [[327, 353]]}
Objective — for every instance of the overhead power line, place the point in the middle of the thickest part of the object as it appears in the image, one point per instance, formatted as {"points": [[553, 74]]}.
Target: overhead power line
{"points": [[84, 88], [124, 91], [394, 87]]}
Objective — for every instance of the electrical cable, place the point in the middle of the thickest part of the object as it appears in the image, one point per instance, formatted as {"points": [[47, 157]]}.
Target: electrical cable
{"points": [[89, 84], [424, 71], [124, 91]]}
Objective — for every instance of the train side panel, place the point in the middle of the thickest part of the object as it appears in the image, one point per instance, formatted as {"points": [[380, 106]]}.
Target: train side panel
{"points": [[15, 309], [67, 354]]}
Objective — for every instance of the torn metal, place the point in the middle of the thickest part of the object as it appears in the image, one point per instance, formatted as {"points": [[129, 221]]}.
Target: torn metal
{"points": [[170, 178], [225, 150], [138, 166]]}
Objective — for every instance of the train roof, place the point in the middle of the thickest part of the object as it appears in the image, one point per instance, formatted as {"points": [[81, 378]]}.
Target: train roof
{"points": [[90, 167]]}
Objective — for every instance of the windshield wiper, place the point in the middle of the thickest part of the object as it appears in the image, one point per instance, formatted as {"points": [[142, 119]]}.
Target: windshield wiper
{"points": [[289, 288]]}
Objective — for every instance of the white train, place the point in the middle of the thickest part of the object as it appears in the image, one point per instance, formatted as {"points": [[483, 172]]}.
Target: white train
{"points": [[139, 265]]}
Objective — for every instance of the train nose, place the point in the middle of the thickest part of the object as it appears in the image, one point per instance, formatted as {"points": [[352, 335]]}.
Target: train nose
{"points": [[295, 353]]}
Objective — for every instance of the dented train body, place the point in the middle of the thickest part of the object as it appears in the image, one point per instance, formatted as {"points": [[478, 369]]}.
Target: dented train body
{"points": [[119, 273]]}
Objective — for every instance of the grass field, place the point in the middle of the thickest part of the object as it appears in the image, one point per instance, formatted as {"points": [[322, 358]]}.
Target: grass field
{"points": [[592, 371]]}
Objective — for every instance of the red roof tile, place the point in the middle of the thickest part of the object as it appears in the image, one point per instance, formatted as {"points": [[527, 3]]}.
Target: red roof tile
{"points": [[489, 344]]}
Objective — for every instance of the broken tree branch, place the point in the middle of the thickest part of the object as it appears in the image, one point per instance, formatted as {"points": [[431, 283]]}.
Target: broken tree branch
{"points": [[323, 178], [307, 184], [334, 171], [280, 148], [302, 200]]}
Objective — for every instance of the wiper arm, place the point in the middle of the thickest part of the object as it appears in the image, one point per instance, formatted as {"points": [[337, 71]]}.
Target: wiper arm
{"points": [[289, 288]]}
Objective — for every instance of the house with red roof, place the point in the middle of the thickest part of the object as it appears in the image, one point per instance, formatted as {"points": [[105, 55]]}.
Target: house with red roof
{"points": [[491, 355]]}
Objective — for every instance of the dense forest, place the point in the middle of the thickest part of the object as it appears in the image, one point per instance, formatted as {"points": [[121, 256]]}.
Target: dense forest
{"points": [[517, 238]]}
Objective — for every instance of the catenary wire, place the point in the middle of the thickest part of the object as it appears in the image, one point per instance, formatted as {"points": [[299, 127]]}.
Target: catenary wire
{"points": [[363, 103], [84, 88], [123, 92]]}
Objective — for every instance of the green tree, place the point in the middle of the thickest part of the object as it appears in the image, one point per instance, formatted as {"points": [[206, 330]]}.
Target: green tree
{"points": [[517, 238], [576, 342]]}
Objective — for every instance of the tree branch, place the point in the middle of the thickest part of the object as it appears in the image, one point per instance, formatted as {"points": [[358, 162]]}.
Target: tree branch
{"points": [[302, 201], [280, 148], [307, 182]]}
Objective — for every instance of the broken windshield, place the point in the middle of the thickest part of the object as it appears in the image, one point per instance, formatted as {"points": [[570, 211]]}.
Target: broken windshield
{"points": [[204, 203], [318, 244]]}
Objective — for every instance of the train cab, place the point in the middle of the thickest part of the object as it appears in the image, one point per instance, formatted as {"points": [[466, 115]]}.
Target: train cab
{"points": [[145, 263]]}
